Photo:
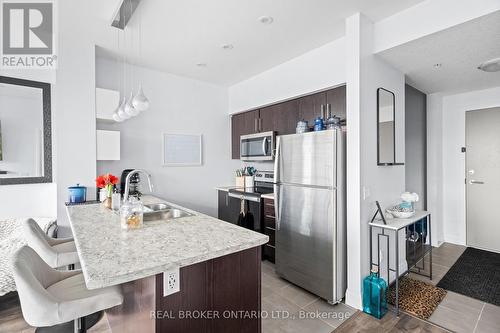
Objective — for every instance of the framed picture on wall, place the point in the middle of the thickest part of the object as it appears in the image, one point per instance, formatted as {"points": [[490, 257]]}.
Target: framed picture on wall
{"points": [[182, 150]]}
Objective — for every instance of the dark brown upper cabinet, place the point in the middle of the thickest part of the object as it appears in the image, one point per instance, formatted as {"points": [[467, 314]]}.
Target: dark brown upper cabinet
{"points": [[281, 118], [336, 102], [311, 107], [242, 124]]}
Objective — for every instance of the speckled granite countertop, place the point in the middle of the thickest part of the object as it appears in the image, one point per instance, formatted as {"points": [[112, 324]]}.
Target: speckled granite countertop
{"points": [[110, 255]]}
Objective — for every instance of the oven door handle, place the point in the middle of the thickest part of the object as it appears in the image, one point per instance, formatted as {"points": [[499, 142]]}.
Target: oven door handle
{"points": [[244, 197]]}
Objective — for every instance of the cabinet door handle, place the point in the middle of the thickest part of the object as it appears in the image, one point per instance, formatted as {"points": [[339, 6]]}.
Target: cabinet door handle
{"points": [[260, 124], [323, 111], [255, 125], [476, 182], [329, 110]]}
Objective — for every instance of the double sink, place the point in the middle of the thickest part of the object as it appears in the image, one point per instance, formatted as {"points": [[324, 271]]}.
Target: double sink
{"points": [[163, 212]]}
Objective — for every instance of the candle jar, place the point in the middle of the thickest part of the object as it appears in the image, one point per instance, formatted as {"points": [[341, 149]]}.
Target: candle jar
{"points": [[131, 214]]}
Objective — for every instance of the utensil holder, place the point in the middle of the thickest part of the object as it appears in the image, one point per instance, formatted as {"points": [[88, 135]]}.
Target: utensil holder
{"points": [[240, 182], [249, 183]]}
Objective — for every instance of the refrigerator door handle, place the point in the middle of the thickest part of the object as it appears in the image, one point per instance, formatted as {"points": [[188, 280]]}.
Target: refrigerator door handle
{"points": [[276, 187], [277, 206], [277, 161]]}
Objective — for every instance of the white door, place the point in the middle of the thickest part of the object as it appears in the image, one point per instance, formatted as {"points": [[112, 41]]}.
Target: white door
{"points": [[483, 178]]}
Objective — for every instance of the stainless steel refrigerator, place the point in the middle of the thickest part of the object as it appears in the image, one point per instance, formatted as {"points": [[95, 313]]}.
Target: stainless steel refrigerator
{"points": [[310, 199]]}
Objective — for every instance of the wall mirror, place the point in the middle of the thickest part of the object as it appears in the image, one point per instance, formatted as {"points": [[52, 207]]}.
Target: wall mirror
{"points": [[386, 127], [25, 132]]}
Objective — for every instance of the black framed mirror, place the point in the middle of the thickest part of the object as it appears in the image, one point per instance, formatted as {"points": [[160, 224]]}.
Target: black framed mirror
{"points": [[25, 132], [386, 127]]}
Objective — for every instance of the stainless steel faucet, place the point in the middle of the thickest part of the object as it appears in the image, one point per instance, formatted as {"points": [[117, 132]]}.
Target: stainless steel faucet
{"points": [[127, 182]]}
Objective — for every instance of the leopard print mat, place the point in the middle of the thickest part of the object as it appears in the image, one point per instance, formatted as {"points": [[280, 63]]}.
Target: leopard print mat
{"points": [[416, 297]]}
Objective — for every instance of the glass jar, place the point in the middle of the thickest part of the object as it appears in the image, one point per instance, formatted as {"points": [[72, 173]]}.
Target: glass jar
{"points": [[375, 295], [131, 214]]}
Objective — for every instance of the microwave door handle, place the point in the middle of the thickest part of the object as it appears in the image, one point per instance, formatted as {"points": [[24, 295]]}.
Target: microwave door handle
{"points": [[264, 146]]}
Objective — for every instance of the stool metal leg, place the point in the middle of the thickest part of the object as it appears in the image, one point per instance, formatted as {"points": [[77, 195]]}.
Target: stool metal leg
{"points": [[80, 325]]}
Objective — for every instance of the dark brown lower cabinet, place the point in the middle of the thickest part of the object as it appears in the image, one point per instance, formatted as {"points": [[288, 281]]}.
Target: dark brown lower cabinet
{"points": [[217, 296], [269, 229]]}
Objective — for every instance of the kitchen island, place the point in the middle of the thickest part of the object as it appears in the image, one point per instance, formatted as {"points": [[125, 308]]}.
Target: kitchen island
{"points": [[219, 270]]}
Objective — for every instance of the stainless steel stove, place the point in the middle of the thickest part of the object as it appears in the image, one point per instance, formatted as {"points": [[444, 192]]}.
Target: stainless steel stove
{"points": [[263, 184]]}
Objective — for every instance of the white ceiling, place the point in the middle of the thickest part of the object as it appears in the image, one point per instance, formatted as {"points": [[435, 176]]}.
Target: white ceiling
{"points": [[460, 50], [179, 34]]}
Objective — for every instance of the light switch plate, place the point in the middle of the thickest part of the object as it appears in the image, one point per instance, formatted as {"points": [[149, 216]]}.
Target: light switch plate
{"points": [[171, 282], [366, 192]]}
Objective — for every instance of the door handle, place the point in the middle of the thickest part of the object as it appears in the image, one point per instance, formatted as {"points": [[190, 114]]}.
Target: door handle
{"points": [[276, 206], [476, 182], [264, 146], [323, 112], [256, 125]]}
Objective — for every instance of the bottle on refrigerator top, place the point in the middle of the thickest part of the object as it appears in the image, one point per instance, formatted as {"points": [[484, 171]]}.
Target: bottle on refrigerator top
{"points": [[319, 125], [375, 295]]}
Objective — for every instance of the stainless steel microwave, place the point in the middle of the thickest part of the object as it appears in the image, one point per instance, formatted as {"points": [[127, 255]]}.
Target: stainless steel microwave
{"points": [[257, 147]]}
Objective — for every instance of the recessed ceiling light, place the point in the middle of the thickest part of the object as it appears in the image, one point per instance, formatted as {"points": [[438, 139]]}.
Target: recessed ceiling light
{"points": [[492, 65], [266, 19], [201, 64], [227, 46], [438, 66]]}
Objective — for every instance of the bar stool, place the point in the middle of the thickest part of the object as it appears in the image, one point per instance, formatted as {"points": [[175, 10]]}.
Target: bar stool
{"points": [[57, 252], [50, 297]]}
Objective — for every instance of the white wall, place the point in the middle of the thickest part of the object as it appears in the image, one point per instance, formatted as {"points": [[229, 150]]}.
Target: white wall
{"points": [[318, 69], [34, 200], [178, 105], [365, 73], [435, 170], [453, 160]]}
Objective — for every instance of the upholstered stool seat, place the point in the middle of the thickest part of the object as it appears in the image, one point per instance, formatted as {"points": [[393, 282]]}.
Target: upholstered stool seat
{"points": [[56, 252], [51, 297]]}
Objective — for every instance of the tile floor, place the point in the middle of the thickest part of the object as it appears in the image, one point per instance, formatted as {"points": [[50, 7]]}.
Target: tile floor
{"points": [[296, 310], [456, 312]]}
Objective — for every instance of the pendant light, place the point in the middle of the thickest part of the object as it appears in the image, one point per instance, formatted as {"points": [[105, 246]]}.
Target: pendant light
{"points": [[122, 111], [140, 101], [130, 108]]}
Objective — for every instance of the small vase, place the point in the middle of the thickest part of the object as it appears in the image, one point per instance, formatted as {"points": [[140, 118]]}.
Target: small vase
{"points": [[107, 202]]}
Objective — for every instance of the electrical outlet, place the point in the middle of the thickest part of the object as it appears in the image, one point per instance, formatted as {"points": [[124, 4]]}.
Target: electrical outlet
{"points": [[171, 282]]}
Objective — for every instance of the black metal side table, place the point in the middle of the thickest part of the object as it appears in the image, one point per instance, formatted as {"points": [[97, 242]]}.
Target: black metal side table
{"points": [[418, 245]]}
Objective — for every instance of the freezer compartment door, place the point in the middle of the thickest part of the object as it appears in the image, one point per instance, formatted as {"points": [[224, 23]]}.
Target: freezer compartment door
{"points": [[307, 159], [305, 233]]}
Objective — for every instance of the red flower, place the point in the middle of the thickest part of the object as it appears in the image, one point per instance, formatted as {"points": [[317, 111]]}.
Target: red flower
{"points": [[113, 179], [106, 180]]}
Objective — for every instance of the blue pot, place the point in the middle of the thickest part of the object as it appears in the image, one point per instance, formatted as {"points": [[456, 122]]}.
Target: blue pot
{"points": [[77, 194]]}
